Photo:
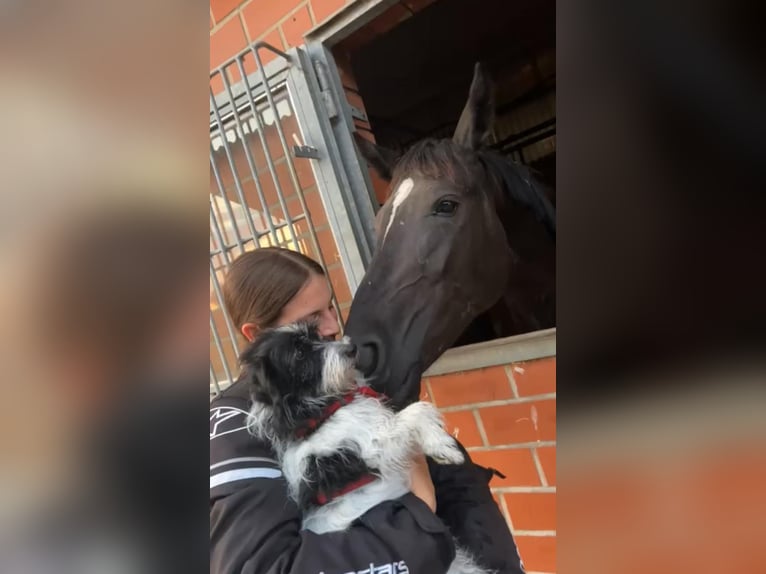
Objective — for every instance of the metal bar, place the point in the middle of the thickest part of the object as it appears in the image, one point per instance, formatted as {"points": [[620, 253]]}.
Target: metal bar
{"points": [[293, 174], [267, 154], [248, 154], [222, 307], [524, 133], [214, 380], [341, 169], [275, 69], [290, 167], [219, 218], [347, 20], [227, 203], [270, 48], [530, 141], [278, 228], [237, 184], [219, 346], [226, 63], [219, 237], [242, 104]]}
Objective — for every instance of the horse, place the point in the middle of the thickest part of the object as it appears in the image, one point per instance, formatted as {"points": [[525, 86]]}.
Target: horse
{"points": [[465, 251]]}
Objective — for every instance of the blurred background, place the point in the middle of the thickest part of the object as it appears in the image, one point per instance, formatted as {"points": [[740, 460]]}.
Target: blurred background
{"points": [[103, 242]]}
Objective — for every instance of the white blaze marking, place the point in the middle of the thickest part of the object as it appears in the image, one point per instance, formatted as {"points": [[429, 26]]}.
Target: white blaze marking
{"points": [[400, 195]]}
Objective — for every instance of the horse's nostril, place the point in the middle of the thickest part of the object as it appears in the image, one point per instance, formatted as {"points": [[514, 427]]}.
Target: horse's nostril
{"points": [[367, 358], [351, 350]]}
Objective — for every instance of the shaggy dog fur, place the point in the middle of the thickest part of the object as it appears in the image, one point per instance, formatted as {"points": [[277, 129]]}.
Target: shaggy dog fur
{"points": [[341, 449]]}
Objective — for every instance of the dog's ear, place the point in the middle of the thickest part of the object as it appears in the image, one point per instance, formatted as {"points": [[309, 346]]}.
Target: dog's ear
{"points": [[253, 362], [256, 374]]}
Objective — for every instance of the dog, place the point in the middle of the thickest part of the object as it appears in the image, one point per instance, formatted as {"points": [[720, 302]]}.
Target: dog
{"points": [[342, 450]]}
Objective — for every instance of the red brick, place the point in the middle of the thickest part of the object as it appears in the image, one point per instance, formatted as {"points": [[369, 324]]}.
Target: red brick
{"points": [[345, 71], [283, 177], [296, 26], [340, 285], [381, 187], [462, 425], [389, 19], [537, 378], [532, 510], [537, 552], [514, 423], [315, 207], [305, 172], [424, 393], [328, 247], [260, 15], [251, 198], [354, 99], [547, 456], [216, 84], [344, 314], [222, 8], [226, 42], [294, 209], [515, 463], [324, 8], [273, 143], [481, 385]]}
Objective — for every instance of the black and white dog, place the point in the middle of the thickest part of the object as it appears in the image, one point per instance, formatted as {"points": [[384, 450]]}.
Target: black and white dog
{"points": [[342, 451]]}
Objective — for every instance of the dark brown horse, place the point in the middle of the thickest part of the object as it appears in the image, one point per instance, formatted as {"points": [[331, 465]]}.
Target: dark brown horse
{"points": [[465, 251]]}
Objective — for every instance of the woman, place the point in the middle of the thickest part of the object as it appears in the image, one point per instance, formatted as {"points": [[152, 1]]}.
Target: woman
{"points": [[254, 527]]}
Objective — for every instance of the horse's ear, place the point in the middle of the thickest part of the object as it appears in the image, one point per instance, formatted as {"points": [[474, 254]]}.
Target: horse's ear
{"points": [[478, 114], [381, 159]]}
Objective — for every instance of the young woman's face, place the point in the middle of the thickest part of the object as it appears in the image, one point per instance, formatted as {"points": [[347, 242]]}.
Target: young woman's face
{"points": [[313, 302]]}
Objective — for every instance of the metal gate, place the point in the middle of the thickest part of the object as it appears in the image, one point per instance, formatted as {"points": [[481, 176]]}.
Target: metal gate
{"points": [[276, 173]]}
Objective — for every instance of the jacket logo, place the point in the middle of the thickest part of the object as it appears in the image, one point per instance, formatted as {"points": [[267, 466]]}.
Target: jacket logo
{"points": [[226, 420], [393, 568]]}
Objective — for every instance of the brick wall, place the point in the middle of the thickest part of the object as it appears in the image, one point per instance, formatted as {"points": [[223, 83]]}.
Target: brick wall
{"points": [[506, 417], [282, 23], [234, 25]]}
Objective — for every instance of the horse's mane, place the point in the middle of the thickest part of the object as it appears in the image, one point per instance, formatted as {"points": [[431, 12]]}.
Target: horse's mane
{"points": [[444, 159], [521, 186]]}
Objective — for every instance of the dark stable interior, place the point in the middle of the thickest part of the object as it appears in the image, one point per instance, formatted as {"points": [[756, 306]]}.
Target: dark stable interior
{"points": [[414, 82]]}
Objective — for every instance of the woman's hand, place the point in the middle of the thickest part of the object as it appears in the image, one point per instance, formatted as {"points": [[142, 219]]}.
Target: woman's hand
{"points": [[421, 484]]}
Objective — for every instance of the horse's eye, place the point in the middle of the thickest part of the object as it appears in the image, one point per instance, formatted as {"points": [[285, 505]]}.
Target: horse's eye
{"points": [[445, 207]]}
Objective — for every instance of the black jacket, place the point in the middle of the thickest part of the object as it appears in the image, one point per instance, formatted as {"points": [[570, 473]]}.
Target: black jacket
{"points": [[256, 529]]}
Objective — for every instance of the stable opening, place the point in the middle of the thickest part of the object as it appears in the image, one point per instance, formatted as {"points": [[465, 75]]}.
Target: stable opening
{"points": [[407, 73]]}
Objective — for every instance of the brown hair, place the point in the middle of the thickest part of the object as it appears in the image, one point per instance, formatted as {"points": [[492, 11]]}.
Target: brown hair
{"points": [[260, 283]]}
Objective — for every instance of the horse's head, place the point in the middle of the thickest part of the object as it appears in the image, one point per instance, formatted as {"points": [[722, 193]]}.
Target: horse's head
{"points": [[442, 255]]}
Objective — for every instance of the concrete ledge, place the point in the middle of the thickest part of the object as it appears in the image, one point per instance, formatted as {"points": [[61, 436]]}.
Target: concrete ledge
{"points": [[347, 20], [526, 347]]}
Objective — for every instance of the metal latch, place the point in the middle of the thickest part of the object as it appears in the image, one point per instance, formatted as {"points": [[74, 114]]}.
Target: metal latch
{"points": [[306, 151]]}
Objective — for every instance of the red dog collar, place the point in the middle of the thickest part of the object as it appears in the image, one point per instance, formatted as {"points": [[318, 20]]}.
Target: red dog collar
{"points": [[323, 498], [312, 425]]}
